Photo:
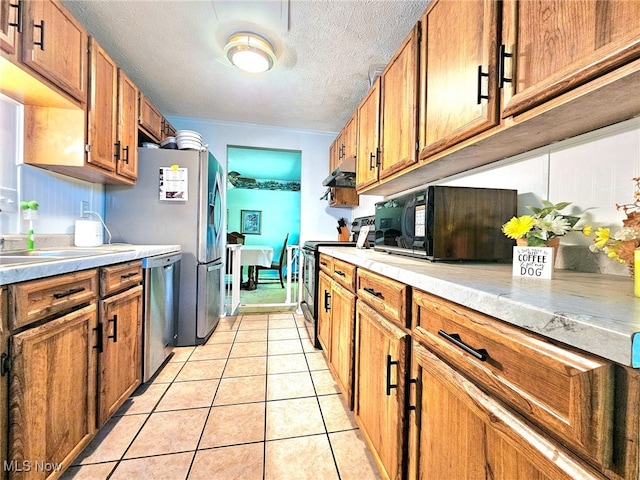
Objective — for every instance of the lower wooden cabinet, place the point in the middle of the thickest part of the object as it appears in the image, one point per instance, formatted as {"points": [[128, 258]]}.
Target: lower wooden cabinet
{"points": [[52, 394], [459, 431], [324, 311], [4, 355], [341, 360], [381, 364], [336, 327], [120, 358]]}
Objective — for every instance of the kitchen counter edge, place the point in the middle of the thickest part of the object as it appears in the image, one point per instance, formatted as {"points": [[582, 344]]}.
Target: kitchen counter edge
{"points": [[592, 312], [121, 253]]}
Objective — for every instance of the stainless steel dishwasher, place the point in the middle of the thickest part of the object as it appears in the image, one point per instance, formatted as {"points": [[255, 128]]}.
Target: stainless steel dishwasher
{"points": [[160, 310]]}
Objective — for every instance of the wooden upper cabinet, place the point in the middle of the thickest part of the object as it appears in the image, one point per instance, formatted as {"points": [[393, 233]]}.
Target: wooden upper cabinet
{"points": [[150, 118], [112, 116], [102, 109], [54, 44], [368, 147], [399, 107], [127, 165], [458, 72], [9, 12], [561, 45], [350, 137]]}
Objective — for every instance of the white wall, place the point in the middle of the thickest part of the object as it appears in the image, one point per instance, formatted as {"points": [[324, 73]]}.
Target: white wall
{"points": [[318, 220], [59, 196], [594, 171]]}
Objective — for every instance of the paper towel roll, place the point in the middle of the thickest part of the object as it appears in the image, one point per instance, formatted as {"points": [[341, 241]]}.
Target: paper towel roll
{"points": [[88, 233]]}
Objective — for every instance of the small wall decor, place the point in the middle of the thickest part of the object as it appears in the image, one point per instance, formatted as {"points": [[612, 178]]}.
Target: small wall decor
{"points": [[251, 222]]}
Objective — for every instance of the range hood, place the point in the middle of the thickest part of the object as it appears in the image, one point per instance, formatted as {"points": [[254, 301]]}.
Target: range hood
{"points": [[344, 175]]}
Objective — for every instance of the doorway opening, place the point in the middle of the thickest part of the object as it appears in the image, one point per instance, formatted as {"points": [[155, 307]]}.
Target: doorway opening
{"points": [[263, 210]]}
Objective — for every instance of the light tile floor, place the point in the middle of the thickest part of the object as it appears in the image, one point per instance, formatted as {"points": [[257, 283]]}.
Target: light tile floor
{"points": [[256, 402]]}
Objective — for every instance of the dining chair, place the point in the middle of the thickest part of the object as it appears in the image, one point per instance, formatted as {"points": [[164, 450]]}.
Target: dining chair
{"points": [[277, 264]]}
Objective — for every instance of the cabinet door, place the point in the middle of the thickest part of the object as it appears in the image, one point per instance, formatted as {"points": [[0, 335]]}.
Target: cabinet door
{"points": [[399, 108], [381, 363], [150, 119], [324, 312], [8, 26], [102, 110], [127, 127], [561, 45], [54, 44], [350, 137], [52, 391], [4, 405], [465, 433], [341, 359], [458, 72], [120, 363], [368, 138]]}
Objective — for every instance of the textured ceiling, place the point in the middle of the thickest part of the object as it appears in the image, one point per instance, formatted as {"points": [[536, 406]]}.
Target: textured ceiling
{"points": [[173, 51]]}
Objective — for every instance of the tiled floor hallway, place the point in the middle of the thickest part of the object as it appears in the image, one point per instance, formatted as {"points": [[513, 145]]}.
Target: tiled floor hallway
{"points": [[256, 402]]}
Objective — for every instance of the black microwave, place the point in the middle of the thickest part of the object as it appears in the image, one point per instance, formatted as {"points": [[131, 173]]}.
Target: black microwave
{"points": [[447, 223]]}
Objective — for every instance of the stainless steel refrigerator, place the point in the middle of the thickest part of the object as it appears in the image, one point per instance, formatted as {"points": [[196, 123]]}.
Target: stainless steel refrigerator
{"points": [[178, 199]]}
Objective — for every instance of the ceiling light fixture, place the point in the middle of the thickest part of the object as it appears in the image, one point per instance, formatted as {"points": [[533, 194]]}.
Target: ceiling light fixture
{"points": [[250, 52]]}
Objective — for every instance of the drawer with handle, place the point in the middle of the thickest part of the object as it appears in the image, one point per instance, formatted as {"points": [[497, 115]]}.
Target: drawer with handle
{"points": [[326, 264], [565, 392], [116, 278], [38, 299], [345, 274], [388, 297]]}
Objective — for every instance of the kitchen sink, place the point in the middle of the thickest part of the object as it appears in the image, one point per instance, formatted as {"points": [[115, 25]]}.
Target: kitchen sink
{"points": [[80, 252], [6, 260], [24, 257]]}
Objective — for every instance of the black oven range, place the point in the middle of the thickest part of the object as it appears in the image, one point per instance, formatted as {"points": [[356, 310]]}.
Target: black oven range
{"points": [[311, 272]]}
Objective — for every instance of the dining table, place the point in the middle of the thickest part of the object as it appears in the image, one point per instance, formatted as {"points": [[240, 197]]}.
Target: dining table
{"points": [[252, 256]]}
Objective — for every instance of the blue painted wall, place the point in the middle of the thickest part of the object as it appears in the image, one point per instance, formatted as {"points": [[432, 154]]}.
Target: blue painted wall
{"points": [[280, 215]]}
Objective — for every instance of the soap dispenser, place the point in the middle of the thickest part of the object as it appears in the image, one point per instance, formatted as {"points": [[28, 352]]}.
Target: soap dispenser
{"points": [[30, 212]]}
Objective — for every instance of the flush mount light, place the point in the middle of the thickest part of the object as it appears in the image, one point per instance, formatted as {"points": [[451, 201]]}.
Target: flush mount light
{"points": [[250, 52]]}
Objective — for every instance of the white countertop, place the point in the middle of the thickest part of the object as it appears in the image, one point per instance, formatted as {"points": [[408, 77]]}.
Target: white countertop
{"points": [[593, 312], [120, 253]]}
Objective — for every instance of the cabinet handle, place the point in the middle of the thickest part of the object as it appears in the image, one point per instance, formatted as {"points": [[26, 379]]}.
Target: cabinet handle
{"points": [[371, 164], [373, 292], [99, 344], [503, 56], [389, 384], [377, 157], [126, 155], [338, 272], [116, 155], [481, 75], [41, 27], [5, 364], [18, 23], [128, 275], [479, 353], [115, 328], [68, 292], [327, 297], [411, 381]]}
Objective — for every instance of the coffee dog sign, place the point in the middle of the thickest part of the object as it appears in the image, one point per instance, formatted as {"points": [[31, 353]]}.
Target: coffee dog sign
{"points": [[533, 262]]}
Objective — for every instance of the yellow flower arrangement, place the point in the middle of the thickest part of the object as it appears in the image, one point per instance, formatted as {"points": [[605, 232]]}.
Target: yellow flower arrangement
{"points": [[545, 223], [621, 245]]}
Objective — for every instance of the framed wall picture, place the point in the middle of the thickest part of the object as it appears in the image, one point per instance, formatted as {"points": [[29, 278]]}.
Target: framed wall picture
{"points": [[251, 222]]}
